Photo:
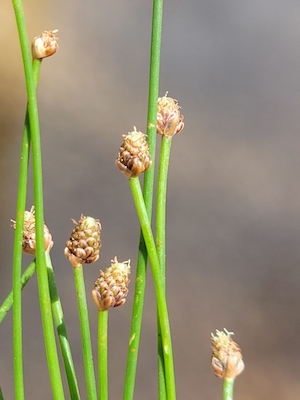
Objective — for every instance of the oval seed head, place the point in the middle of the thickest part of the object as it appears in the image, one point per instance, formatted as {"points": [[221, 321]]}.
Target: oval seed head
{"points": [[111, 288], [84, 244], [227, 360], [134, 157], [44, 45], [169, 120], [28, 241]]}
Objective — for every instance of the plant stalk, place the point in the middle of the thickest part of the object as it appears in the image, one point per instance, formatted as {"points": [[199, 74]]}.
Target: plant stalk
{"points": [[159, 286], [85, 333], [102, 354]]}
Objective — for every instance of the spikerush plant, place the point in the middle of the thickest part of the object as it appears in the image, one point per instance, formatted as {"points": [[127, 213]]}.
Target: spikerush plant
{"points": [[136, 156]]}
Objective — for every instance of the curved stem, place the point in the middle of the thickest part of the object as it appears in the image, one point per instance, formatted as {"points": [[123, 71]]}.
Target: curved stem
{"points": [[85, 333], [228, 385], [9, 301], [59, 321], [158, 285], [102, 354]]}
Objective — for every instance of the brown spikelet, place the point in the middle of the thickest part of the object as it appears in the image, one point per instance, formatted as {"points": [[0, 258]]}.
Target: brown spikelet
{"points": [[84, 244], [134, 157], [227, 360], [169, 119], [111, 288]]}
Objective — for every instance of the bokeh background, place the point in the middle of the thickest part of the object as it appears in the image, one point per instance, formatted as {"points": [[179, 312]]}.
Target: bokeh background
{"points": [[234, 186]]}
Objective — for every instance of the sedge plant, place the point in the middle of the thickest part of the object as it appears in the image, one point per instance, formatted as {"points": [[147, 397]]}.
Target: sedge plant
{"points": [[136, 156]]}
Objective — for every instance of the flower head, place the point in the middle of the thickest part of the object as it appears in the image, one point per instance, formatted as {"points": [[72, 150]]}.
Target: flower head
{"points": [[111, 288], [134, 157], [29, 240], [84, 244], [227, 360], [44, 45], [169, 120]]}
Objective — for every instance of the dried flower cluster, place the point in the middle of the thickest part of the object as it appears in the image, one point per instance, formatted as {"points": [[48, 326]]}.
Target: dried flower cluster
{"points": [[134, 157], [84, 244], [29, 238], [169, 119], [111, 288], [227, 360], [44, 45]]}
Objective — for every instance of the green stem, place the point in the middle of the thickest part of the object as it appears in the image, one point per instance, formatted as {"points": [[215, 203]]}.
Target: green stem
{"points": [[140, 282], [228, 385], [17, 253], [44, 297], [161, 201], [159, 287], [102, 354], [9, 301], [85, 333], [59, 321]]}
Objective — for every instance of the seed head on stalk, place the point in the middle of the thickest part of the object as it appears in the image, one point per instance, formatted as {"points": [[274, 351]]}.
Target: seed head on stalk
{"points": [[28, 240], [44, 45], [134, 156], [169, 119], [227, 360], [85, 242], [111, 288]]}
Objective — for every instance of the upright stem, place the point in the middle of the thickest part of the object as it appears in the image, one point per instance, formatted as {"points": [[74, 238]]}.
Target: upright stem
{"points": [[45, 304], [140, 282], [228, 384], [85, 334], [102, 355], [158, 285], [17, 255], [161, 201], [17, 266]]}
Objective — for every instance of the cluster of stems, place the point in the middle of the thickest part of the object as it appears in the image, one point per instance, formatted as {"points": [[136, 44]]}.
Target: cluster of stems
{"points": [[136, 155]]}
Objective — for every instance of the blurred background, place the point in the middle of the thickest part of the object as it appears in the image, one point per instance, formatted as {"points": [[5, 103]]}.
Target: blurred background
{"points": [[233, 215]]}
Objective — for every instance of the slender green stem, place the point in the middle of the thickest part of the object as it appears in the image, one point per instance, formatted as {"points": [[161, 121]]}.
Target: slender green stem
{"points": [[17, 254], [161, 201], [59, 321], [228, 385], [140, 282], [44, 297], [102, 355], [161, 204], [85, 333], [136, 321], [1, 394], [8, 302], [159, 287]]}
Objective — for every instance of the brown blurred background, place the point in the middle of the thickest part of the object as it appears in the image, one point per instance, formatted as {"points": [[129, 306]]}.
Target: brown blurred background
{"points": [[234, 189]]}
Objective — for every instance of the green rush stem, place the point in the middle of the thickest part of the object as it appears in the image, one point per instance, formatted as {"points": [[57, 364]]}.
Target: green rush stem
{"points": [[161, 202], [17, 252], [9, 301], [228, 385], [42, 278], [1, 394], [59, 321], [85, 333], [140, 281], [102, 355], [159, 287]]}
